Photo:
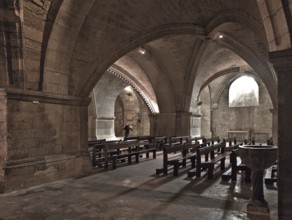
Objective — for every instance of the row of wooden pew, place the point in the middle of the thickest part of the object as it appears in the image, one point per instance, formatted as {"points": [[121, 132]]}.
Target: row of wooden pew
{"points": [[109, 153], [201, 153], [105, 153], [179, 154]]}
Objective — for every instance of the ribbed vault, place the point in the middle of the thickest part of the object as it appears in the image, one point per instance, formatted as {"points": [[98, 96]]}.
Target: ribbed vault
{"points": [[181, 41]]}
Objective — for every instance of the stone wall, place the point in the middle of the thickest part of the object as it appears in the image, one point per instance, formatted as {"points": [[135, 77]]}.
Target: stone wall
{"points": [[42, 129], [257, 119], [47, 139]]}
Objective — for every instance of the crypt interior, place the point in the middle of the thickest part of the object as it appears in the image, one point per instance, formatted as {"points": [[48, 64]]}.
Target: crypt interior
{"points": [[77, 71]]}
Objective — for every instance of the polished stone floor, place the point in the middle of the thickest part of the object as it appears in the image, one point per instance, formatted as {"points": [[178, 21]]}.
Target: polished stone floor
{"points": [[133, 192]]}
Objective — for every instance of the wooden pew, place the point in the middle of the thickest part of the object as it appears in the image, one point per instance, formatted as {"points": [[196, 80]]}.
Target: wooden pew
{"points": [[213, 154], [177, 155], [136, 138], [211, 141], [271, 175], [93, 142], [249, 141], [194, 140], [97, 152], [139, 138], [236, 165], [158, 141], [214, 158], [177, 140], [230, 141], [110, 153]]}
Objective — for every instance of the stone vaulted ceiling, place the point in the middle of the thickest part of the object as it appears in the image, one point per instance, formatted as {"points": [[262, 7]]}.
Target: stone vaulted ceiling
{"points": [[181, 40]]}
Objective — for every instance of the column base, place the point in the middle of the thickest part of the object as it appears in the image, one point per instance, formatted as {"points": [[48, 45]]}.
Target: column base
{"points": [[257, 206]]}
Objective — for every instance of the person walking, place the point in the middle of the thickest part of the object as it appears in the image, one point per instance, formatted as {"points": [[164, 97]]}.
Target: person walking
{"points": [[127, 130]]}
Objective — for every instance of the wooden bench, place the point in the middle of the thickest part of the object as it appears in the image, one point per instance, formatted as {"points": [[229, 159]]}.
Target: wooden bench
{"points": [[93, 142], [230, 141], [97, 142], [211, 141], [146, 147], [158, 141], [97, 152], [249, 141], [177, 140], [112, 153], [120, 152], [137, 138], [214, 158], [236, 166], [211, 158], [271, 175], [194, 140], [176, 156]]}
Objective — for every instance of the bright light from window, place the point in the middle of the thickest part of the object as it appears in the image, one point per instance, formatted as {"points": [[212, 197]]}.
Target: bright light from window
{"points": [[244, 92]]}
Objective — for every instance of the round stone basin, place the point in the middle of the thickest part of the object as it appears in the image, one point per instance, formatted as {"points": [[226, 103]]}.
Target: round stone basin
{"points": [[258, 157]]}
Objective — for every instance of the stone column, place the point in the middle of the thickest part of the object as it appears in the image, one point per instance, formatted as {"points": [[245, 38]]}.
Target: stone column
{"points": [[275, 125], [91, 127], [214, 119], [282, 62], [105, 128], [91, 119], [196, 125], [171, 124], [183, 121], [3, 137]]}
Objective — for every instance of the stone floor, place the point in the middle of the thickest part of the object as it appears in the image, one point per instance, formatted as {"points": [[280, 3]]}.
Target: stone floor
{"points": [[134, 192]]}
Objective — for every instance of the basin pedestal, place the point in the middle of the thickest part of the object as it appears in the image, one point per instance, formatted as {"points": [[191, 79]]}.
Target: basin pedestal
{"points": [[257, 202], [258, 158]]}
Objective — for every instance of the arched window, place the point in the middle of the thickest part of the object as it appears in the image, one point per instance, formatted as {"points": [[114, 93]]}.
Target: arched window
{"points": [[244, 92]]}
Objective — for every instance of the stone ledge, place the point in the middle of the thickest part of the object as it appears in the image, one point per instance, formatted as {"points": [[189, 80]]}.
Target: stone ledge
{"points": [[39, 160], [24, 173], [38, 97]]}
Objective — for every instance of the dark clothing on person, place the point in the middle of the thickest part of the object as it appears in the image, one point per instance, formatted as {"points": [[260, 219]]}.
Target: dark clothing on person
{"points": [[127, 130]]}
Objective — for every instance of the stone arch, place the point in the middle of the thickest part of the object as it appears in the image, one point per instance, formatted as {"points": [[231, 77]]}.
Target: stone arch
{"points": [[133, 111], [105, 94], [216, 75], [11, 38], [51, 17], [150, 104], [258, 62], [238, 17], [135, 41], [276, 20], [60, 34], [87, 81]]}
